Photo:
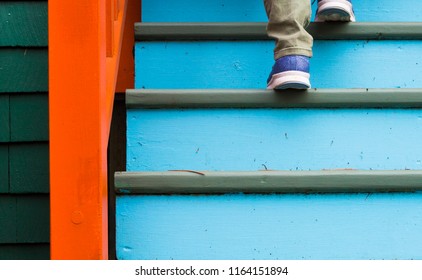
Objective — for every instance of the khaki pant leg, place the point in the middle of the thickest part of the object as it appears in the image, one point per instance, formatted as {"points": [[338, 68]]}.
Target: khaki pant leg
{"points": [[287, 20]]}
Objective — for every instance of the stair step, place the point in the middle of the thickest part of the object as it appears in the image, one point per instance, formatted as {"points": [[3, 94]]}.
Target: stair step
{"points": [[256, 98], [363, 117], [246, 64], [248, 136], [285, 226], [181, 31], [253, 10], [224, 182]]}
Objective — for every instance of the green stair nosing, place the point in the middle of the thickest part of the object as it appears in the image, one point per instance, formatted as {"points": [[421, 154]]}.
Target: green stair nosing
{"points": [[255, 98], [261, 182], [257, 31]]}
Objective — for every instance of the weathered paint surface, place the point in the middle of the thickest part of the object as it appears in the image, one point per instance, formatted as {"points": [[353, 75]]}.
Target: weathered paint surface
{"points": [[84, 49], [388, 64], [23, 117], [33, 219], [126, 74], [24, 178], [24, 168], [4, 118], [4, 168], [29, 168], [238, 226], [29, 117], [356, 226], [29, 251], [190, 182], [254, 139], [7, 219], [23, 23], [24, 219], [23, 70], [253, 10]]}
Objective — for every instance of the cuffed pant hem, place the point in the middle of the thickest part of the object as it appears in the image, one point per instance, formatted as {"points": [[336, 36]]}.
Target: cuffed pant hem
{"points": [[293, 51]]}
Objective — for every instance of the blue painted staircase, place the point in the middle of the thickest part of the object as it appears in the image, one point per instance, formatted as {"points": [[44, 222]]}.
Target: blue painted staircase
{"points": [[220, 168]]}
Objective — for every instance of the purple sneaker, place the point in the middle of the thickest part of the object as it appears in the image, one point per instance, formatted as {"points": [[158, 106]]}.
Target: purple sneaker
{"points": [[290, 71], [335, 10]]}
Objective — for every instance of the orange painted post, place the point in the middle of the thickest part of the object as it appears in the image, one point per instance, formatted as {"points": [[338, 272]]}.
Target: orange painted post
{"points": [[82, 79], [126, 75]]}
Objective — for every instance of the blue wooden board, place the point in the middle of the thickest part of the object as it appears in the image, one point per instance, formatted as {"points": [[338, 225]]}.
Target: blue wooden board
{"points": [[253, 10], [246, 64], [290, 139], [353, 226]]}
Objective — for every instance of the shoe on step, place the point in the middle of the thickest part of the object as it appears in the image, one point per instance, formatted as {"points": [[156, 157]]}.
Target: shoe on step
{"points": [[290, 72], [335, 10]]}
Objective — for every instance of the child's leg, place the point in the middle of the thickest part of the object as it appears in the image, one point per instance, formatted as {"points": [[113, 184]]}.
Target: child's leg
{"points": [[287, 20]]}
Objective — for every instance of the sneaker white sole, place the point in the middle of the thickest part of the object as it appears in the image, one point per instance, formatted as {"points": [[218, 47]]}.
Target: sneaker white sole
{"points": [[290, 80], [335, 10]]}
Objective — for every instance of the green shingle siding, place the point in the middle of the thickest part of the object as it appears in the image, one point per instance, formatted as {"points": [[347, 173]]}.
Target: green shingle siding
{"points": [[24, 166], [29, 117], [29, 168], [24, 251], [15, 17], [4, 118], [8, 219], [25, 219], [4, 168], [23, 70]]}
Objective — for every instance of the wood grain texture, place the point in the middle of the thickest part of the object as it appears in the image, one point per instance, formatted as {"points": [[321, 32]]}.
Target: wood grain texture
{"points": [[253, 10], [29, 117], [24, 219], [40, 251], [81, 90], [29, 168], [8, 219], [162, 31], [274, 139], [250, 98], [4, 118], [23, 24], [23, 70], [326, 181], [337, 226], [33, 219], [4, 168], [225, 64]]}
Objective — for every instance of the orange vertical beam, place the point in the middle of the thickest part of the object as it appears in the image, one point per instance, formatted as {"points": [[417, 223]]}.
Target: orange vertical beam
{"points": [[78, 129], [118, 17], [126, 74]]}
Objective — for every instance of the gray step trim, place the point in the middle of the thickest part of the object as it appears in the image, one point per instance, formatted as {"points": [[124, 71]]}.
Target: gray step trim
{"points": [[325, 181], [169, 31], [255, 98]]}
